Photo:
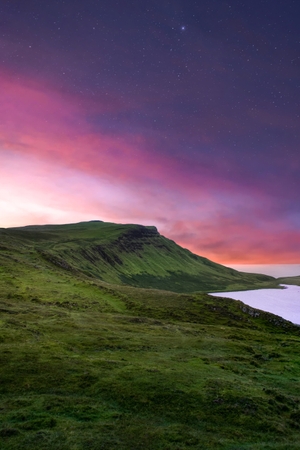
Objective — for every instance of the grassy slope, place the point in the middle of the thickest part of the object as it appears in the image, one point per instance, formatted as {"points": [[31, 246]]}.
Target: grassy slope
{"points": [[289, 280], [129, 254], [87, 365]]}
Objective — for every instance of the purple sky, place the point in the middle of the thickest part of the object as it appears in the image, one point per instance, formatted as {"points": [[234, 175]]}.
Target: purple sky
{"points": [[179, 114]]}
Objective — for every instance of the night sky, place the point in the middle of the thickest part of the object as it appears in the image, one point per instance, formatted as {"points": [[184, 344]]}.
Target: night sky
{"points": [[179, 114]]}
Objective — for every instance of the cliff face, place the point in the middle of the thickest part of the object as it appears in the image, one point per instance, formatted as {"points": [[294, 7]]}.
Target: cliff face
{"points": [[129, 254]]}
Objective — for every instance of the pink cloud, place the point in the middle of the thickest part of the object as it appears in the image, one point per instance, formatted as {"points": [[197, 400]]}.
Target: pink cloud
{"points": [[36, 120], [238, 240], [56, 168]]}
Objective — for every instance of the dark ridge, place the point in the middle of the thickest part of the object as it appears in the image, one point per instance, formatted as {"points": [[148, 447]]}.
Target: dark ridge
{"points": [[110, 259]]}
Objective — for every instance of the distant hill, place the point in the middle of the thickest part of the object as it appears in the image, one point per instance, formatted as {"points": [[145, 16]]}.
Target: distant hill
{"points": [[289, 280], [132, 255]]}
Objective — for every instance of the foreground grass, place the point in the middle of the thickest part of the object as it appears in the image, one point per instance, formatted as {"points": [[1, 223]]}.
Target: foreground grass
{"points": [[83, 379], [90, 365], [84, 365]]}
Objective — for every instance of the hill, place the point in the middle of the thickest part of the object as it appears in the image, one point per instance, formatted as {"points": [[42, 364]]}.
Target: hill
{"points": [[85, 364], [289, 280], [125, 254]]}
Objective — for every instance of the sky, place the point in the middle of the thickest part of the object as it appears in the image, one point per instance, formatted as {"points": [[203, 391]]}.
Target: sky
{"points": [[180, 114]]}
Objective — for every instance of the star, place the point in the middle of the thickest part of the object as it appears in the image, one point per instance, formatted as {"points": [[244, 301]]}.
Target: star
{"points": [[183, 28]]}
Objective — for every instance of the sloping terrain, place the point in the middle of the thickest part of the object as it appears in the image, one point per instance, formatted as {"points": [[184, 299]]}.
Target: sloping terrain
{"points": [[90, 365], [289, 280], [125, 254], [89, 361]]}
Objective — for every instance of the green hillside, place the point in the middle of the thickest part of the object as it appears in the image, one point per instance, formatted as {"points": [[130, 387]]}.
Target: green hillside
{"points": [[85, 364], [126, 254], [289, 280]]}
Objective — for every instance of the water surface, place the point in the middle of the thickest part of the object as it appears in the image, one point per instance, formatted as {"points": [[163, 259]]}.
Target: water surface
{"points": [[282, 302]]}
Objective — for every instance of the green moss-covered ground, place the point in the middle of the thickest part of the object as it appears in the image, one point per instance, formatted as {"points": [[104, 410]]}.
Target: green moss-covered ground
{"points": [[89, 365]]}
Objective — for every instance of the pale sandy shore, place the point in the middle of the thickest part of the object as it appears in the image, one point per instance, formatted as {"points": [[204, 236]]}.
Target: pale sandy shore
{"points": [[282, 302]]}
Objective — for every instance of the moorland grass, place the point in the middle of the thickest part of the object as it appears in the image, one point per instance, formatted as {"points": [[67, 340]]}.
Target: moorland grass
{"points": [[89, 365]]}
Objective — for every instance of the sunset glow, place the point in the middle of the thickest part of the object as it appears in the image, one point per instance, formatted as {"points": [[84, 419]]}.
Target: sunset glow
{"points": [[113, 125]]}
